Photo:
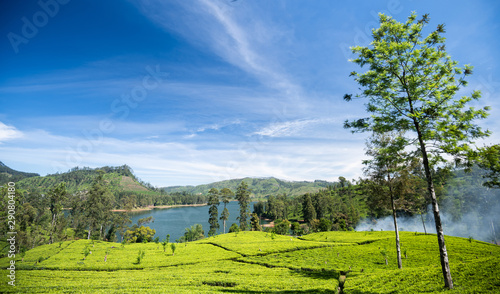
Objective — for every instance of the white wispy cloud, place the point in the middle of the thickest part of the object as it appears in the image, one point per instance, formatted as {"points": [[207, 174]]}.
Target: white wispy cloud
{"points": [[8, 132], [291, 128], [218, 126], [284, 129], [233, 34]]}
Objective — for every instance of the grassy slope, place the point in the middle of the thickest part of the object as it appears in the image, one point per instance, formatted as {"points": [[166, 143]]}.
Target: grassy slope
{"points": [[255, 262]]}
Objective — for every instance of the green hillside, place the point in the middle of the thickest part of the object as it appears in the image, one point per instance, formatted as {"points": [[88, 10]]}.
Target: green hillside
{"points": [[260, 187], [80, 179], [10, 175], [258, 262]]}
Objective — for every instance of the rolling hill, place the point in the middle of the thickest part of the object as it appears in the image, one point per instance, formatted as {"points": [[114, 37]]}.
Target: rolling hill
{"points": [[260, 187], [80, 179]]}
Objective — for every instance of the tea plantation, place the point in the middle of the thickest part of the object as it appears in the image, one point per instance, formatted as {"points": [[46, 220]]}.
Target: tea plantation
{"points": [[258, 262]]}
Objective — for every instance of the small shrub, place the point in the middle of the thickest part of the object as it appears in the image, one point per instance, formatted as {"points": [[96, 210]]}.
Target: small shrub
{"points": [[234, 228], [140, 256], [384, 254], [86, 252]]}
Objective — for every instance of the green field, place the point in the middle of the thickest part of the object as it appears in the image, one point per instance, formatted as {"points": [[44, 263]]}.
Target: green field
{"points": [[258, 262]]}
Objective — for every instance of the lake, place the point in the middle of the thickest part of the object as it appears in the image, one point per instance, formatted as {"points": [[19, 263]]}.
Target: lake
{"points": [[174, 221]]}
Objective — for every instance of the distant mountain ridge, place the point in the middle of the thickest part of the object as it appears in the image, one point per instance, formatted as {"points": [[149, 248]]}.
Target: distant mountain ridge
{"points": [[122, 179], [8, 174], [259, 187]]}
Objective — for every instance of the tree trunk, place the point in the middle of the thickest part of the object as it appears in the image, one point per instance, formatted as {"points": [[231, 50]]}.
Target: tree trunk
{"points": [[494, 233], [445, 265], [51, 240], [398, 248], [423, 222], [90, 230]]}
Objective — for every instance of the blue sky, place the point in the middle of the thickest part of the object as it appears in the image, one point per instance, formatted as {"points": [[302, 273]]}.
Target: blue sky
{"points": [[191, 92]]}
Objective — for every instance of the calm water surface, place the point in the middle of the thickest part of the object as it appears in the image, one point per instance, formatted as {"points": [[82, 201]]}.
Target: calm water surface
{"points": [[174, 221]]}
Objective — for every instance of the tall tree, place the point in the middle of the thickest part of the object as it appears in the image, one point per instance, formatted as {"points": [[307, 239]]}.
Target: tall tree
{"points": [[411, 85], [255, 222], [243, 197], [387, 161], [213, 212], [226, 195], [308, 210], [57, 195], [98, 205]]}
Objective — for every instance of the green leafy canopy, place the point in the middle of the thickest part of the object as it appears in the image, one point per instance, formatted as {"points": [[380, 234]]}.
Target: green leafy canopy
{"points": [[411, 84]]}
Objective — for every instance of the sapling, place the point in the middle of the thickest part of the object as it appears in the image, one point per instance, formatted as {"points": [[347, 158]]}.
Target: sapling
{"points": [[140, 256], [384, 254], [173, 248], [23, 253], [86, 252]]}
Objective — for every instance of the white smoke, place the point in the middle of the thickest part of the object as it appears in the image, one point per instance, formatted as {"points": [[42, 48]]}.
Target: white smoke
{"points": [[481, 223], [473, 225]]}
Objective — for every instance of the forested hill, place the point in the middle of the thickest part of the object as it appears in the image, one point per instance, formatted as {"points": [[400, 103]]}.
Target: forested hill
{"points": [[9, 175], [259, 187], [119, 179]]}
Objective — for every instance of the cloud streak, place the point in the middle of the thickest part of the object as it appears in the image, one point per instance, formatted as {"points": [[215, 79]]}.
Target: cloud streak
{"points": [[8, 133], [290, 128], [229, 32]]}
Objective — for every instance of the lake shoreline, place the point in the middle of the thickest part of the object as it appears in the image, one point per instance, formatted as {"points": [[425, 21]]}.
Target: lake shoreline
{"points": [[151, 207]]}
